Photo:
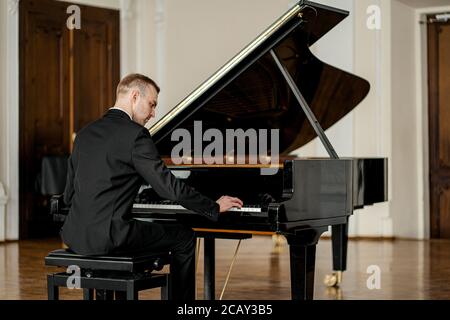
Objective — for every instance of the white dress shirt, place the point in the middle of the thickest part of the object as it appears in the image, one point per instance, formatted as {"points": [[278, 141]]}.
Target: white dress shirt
{"points": [[118, 108]]}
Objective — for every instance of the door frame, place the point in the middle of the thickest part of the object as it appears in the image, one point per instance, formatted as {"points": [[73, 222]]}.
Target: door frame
{"points": [[422, 121], [11, 100], [433, 105], [110, 18]]}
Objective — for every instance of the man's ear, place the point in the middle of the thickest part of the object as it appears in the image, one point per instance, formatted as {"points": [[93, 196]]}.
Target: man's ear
{"points": [[134, 95]]}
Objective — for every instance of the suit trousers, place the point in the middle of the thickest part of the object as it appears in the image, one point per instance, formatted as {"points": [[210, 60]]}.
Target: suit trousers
{"points": [[180, 241]]}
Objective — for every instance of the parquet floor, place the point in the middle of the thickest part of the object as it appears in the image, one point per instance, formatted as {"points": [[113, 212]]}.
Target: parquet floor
{"points": [[409, 270]]}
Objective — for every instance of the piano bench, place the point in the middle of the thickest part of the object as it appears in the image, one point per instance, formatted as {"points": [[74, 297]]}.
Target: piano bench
{"points": [[119, 277]]}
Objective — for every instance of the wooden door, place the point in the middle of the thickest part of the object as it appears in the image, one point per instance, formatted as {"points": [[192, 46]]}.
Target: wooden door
{"points": [[439, 127], [96, 65], [67, 79]]}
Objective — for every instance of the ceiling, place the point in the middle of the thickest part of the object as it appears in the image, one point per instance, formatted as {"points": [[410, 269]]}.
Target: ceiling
{"points": [[425, 3]]}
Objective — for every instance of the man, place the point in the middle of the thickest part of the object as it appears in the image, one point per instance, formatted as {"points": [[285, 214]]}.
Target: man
{"points": [[112, 157]]}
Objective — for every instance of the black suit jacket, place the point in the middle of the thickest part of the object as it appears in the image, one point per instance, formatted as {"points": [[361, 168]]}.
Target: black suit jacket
{"points": [[111, 159]]}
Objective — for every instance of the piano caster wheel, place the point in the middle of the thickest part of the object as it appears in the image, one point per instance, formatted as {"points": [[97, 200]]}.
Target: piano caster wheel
{"points": [[277, 244], [334, 293], [330, 280], [333, 280]]}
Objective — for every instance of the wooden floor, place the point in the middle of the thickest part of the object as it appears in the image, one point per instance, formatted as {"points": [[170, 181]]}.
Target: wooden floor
{"points": [[409, 270]]}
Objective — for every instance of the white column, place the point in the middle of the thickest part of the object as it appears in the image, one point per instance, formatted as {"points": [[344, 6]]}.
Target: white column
{"points": [[372, 118], [3, 201], [160, 61], [127, 38], [12, 116]]}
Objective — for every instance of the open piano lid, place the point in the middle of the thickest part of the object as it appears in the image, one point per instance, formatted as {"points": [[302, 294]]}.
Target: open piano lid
{"points": [[250, 92]]}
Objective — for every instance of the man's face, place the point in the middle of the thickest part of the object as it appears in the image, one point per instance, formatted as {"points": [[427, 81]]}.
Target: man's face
{"points": [[144, 105]]}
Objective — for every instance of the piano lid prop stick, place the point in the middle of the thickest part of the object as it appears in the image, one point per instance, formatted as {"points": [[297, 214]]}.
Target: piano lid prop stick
{"points": [[229, 270], [306, 109], [198, 245]]}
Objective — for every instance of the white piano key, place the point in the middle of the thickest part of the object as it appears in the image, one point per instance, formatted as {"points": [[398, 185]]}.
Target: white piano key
{"points": [[178, 207]]}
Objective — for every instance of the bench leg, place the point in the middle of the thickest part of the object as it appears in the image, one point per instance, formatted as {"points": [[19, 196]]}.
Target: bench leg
{"points": [[166, 290], [88, 294], [52, 290], [104, 294], [132, 293]]}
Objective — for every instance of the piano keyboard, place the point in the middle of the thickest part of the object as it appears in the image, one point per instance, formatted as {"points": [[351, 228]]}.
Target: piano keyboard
{"points": [[149, 206]]}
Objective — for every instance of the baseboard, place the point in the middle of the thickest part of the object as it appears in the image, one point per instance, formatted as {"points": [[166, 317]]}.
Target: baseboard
{"points": [[363, 238]]}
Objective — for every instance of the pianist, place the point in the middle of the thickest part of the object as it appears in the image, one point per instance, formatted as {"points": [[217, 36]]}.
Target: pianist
{"points": [[112, 157]]}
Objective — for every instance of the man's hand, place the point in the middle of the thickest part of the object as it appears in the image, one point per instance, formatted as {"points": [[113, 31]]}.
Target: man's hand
{"points": [[226, 203]]}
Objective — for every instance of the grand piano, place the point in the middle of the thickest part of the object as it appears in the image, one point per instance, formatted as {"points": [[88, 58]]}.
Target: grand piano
{"points": [[275, 83]]}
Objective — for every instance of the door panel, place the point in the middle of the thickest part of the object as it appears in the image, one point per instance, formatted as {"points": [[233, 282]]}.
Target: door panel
{"points": [[47, 102], [444, 205], [439, 127], [96, 69], [66, 80], [43, 105], [444, 97]]}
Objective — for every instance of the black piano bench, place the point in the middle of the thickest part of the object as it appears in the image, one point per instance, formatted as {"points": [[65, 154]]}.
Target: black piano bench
{"points": [[119, 277]]}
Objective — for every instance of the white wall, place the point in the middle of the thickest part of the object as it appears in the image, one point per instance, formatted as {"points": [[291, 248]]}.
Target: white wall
{"points": [[3, 122], [181, 43], [3, 131], [394, 61], [386, 123], [371, 129], [337, 49], [9, 141], [202, 35], [403, 121]]}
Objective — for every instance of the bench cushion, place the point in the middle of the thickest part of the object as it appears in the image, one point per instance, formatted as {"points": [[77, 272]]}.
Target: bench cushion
{"points": [[136, 263]]}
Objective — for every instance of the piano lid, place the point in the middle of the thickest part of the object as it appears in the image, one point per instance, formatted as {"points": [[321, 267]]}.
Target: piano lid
{"points": [[250, 92]]}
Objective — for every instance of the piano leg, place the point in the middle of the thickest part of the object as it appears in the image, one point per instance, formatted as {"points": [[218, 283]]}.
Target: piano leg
{"points": [[302, 248], [210, 257], [339, 239], [210, 268]]}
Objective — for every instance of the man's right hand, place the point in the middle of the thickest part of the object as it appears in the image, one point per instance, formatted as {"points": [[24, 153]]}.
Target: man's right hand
{"points": [[226, 203]]}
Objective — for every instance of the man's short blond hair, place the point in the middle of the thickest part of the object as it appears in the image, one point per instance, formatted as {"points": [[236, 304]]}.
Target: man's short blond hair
{"points": [[135, 80]]}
